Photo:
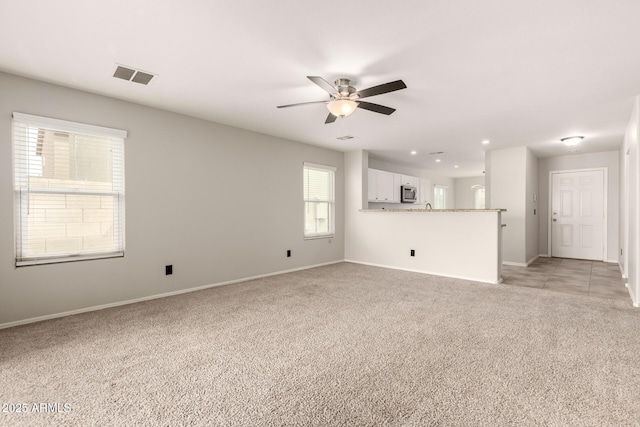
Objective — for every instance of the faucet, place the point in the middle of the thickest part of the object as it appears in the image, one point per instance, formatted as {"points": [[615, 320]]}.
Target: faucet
{"points": [[428, 207]]}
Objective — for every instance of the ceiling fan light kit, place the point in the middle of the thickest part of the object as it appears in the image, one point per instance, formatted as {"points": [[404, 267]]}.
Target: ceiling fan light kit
{"points": [[344, 98], [342, 107]]}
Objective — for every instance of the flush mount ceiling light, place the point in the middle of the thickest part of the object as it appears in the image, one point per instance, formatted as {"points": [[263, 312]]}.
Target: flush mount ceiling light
{"points": [[342, 107], [570, 141]]}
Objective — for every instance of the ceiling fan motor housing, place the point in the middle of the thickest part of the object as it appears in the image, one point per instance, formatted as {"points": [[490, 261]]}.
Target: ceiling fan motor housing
{"points": [[345, 90]]}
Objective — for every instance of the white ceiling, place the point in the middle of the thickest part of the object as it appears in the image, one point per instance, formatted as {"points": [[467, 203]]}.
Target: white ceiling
{"points": [[516, 72]]}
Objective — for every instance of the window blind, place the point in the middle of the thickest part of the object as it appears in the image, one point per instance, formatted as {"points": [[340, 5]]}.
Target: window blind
{"points": [[440, 197], [69, 190], [319, 200]]}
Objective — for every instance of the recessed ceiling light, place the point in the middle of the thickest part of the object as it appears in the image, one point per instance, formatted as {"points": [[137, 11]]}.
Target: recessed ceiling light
{"points": [[438, 160], [570, 141], [414, 152], [485, 142], [455, 166]]}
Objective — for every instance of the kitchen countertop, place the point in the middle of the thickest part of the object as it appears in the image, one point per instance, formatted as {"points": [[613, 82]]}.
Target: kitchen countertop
{"points": [[433, 210]]}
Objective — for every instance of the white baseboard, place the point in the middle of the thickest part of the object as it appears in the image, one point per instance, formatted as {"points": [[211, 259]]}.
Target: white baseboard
{"points": [[474, 279], [532, 260], [634, 301], [615, 261], [521, 264], [156, 296], [515, 264]]}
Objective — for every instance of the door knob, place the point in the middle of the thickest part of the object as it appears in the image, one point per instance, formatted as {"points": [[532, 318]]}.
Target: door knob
{"points": [[555, 219]]}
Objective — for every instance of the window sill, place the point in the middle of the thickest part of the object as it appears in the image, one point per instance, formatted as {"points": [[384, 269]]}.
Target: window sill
{"points": [[324, 236], [70, 258]]}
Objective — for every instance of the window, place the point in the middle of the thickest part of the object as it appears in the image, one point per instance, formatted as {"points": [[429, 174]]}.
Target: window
{"points": [[479, 196], [69, 190], [439, 197], [319, 201]]}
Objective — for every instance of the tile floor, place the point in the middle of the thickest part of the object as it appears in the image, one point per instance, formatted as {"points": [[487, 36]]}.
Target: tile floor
{"points": [[593, 278]]}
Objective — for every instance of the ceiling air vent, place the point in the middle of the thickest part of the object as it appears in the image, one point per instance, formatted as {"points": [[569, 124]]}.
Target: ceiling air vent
{"points": [[133, 75], [143, 78], [124, 73], [437, 152], [344, 138]]}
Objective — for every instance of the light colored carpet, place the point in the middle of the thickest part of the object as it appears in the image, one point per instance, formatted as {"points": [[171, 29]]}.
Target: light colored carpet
{"points": [[339, 345]]}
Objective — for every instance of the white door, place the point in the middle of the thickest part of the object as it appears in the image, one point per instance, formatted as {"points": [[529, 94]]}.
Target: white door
{"points": [[577, 215]]}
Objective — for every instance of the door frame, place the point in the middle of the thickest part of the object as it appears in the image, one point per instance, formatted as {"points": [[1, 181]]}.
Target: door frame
{"points": [[625, 225], [605, 171]]}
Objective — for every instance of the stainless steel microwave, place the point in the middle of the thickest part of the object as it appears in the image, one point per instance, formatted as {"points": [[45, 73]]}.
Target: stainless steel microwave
{"points": [[409, 194]]}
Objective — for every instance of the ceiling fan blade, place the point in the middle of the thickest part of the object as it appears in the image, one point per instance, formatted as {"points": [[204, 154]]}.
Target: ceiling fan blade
{"points": [[383, 88], [302, 103], [330, 119], [377, 108], [331, 90]]}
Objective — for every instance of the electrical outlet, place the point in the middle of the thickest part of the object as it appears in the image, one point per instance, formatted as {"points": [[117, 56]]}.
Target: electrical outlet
{"points": [[288, 253], [413, 252], [168, 270]]}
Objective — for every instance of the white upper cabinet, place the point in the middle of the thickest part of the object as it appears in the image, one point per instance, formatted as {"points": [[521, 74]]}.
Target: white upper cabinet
{"points": [[373, 185], [397, 183], [385, 187], [410, 180], [424, 191], [382, 186]]}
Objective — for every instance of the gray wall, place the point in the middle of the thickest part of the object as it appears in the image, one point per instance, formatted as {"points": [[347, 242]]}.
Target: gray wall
{"points": [[506, 187], [219, 203], [609, 159], [531, 207], [465, 195]]}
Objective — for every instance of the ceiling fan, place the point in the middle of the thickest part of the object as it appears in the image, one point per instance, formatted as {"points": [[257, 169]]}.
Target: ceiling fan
{"points": [[344, 98]]}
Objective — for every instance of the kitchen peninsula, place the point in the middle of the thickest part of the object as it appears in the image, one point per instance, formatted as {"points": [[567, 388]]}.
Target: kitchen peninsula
{"points": [[460, 243]]}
